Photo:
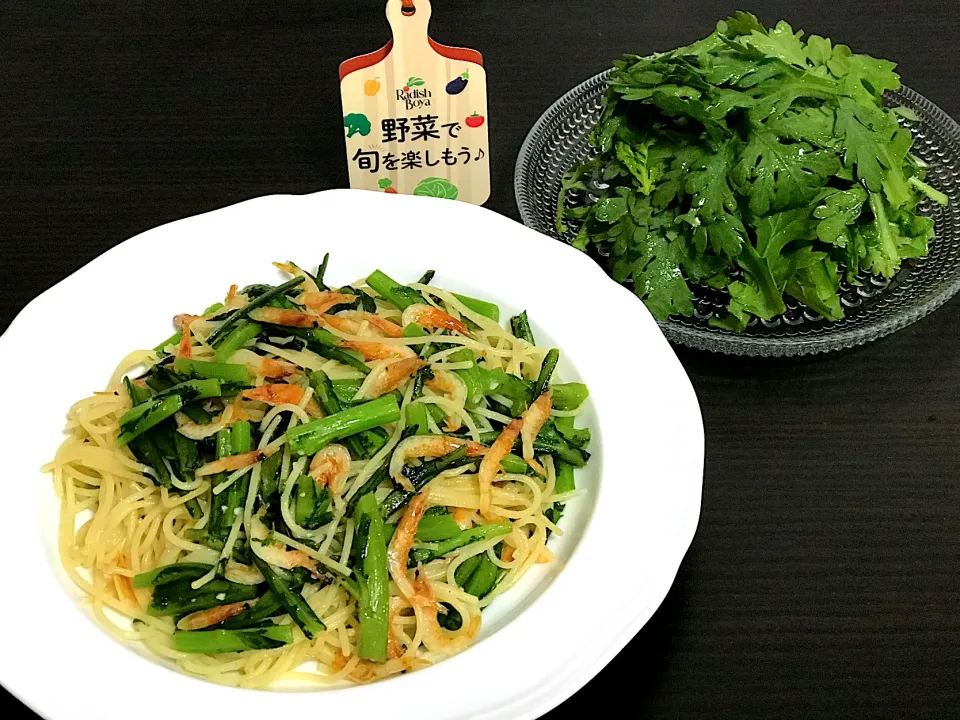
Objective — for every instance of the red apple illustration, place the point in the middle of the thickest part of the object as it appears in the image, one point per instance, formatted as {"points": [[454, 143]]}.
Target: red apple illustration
{"points": [[474, 121]]}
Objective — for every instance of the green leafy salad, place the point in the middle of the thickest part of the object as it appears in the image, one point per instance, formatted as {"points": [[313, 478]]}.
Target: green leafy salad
{"points": [[756, 163]]}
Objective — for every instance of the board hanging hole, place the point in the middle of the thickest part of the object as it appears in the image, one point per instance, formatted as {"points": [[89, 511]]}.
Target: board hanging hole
{"points": [[407, 7]]}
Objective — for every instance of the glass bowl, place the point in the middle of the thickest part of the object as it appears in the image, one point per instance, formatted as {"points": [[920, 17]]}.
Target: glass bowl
{"points": [[877, 307]]}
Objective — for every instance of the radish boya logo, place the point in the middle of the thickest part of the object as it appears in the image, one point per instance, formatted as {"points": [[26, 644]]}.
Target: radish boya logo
{"points": [[414, 94]]}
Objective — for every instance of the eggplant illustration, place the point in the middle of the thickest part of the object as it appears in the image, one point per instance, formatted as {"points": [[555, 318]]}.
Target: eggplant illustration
{"points": [[458, 84]]}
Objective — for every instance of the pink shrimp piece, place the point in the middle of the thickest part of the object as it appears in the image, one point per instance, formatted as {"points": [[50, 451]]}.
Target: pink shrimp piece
{"points": [[214, 616], [273, 368], [276, 394], [358, 317], [389, 377], [534, 418], [233, 462], [435, 638], [463, 517], [448, 383], [431, 318], [234, 299], [330, 467], [377, 351], [420, 446], [185, 350], [402, 541], [322, 301], [490, 465], [287, 318]]}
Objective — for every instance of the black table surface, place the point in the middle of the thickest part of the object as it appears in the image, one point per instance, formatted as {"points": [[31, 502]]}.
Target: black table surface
{"points": [[823, 580]]}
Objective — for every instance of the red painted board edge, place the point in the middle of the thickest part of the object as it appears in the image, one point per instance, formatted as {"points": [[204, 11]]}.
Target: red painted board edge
{"points": [[456, 53], [370, 59], [364, 61]]}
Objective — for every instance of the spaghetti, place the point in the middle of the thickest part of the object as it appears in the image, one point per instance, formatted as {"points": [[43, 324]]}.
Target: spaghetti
{"points": [[316, 484]]}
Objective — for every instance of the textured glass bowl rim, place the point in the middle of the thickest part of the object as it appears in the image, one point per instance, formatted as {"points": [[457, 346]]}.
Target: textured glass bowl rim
{"points": [[759, 346]]}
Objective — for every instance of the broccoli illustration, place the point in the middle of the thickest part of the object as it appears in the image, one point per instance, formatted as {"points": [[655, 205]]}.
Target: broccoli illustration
{"points": [[356, 123]]}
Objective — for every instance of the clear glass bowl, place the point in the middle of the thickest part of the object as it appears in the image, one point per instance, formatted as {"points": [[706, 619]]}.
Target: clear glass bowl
{"points": [[876, 308]]}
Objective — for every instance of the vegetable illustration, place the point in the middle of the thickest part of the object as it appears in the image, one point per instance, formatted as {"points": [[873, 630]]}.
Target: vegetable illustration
{"points": [[356, 123], [458, 84], [386, 184], [436, 187], [412, 81], [371, 87], [474, 121]]}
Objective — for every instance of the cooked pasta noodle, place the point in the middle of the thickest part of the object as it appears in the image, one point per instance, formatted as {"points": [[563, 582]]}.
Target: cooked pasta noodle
{"points": [[317, 485]]}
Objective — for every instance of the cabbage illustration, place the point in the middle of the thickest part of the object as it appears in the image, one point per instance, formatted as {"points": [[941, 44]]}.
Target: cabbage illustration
{"points": [[436, 187]]}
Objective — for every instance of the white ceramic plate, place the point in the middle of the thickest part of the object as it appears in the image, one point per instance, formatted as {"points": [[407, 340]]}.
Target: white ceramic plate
{"points": [[544, 639]]}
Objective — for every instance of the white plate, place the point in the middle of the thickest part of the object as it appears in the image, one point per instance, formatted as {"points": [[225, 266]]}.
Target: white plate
{"points": [[544, 639]]}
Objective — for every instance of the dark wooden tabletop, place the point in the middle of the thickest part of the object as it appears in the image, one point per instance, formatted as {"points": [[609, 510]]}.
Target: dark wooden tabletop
{"points": [[824, 580]]}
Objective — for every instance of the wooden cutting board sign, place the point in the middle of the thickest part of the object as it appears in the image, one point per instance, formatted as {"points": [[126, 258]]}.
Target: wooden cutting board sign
{"points": [[415, 113]]}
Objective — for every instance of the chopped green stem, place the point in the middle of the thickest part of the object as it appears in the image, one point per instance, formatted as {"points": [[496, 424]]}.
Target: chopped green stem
{"points": [[413, 330], [138, 420], [483, 579], [311, 508], [466, 568], [218, 525], [241, 437], [514, 464], [242, 333], [178, 597], [270, 477], [191, 390], [266, 607], [324, 343], [417, 416], [294, 603], [546, 372], [434, 528], [212, 642], [546, 442], [419, 476], [400, 296], [565, 479], [197, 414], [310, 437], [146, 452], [481, 307], [321, 271], [170, 573], [172, 340], [324, 391], [225, 372], [426, 553], [373, 482], [520, 325], [569, 396], [217, 336], [373, 579], [472, 377]]}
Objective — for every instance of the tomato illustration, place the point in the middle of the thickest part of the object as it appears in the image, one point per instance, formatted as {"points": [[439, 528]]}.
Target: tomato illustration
{"points": [[474, 121], [371, 87]]}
